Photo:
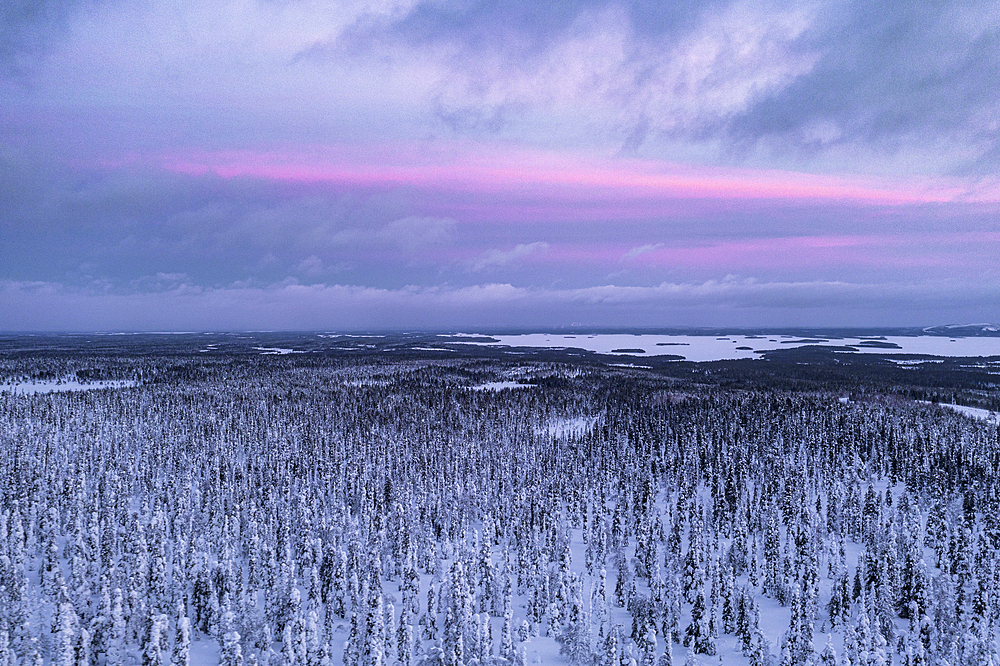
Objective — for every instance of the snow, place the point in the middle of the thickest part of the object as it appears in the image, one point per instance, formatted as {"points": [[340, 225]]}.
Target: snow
{"points": [[349, 335], [573, 414], [205, 651], [150, 333], [499, 386], [711, 348], [972, 412], [565, 427], [277, 350], [62, 385]]}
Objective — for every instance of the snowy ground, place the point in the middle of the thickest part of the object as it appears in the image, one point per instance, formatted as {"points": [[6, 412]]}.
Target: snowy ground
{"points": [[543, 649], [973, 412], [570, 426], [61, 385], [499, 386], [561, 420]]}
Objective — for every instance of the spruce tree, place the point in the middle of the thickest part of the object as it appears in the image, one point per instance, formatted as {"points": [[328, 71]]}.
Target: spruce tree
{"points": [[648, 648], [611, 648], [404, 638], [828, 657], [352, 647], [314, 640], [116, 645], [373, 652], [65, 650], [7, 655], [697, 635], [507, 639], [289, 656], [154, 650], [182, 641]]}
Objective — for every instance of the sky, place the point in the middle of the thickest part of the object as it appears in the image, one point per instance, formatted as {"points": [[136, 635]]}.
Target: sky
{"points": [[403, 164]]}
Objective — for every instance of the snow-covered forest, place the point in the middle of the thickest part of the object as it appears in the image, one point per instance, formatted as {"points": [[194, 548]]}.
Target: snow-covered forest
{"points": [[301, 512]]}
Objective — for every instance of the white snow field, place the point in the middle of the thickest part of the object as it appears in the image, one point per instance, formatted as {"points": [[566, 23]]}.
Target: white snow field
{"points": [[972, 412], [499, 386], [62, 385], [733, 347], [575, 426]]}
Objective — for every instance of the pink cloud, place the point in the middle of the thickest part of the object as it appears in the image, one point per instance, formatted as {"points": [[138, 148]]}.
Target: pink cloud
{"points": [[595, 185]]}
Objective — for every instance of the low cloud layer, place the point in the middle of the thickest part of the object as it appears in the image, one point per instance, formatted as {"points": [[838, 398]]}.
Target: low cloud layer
{"points": [[288, 305]]}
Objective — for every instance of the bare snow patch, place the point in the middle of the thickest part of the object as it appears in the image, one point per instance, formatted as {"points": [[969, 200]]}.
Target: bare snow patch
{"points": [[974, 412], [63, 385], [499, 386], [570, 426]]}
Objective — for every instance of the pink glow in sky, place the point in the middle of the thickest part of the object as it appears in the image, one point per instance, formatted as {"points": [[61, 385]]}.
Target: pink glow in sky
{"points": [[557, 176]]}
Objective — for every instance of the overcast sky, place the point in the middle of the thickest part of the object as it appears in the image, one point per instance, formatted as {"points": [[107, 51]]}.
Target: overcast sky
{"points": [[300, 164]]}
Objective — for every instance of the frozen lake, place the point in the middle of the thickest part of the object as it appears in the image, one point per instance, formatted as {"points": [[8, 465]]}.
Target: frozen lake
{"points": [[731, 347]]}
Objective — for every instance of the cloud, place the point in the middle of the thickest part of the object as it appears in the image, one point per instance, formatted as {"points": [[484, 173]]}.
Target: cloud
{"points": [[415, 233], [908, 84], [789, 83], [642, 249], [311, 266], [128, 222], [705, 67], [26, 26], [291, 306], [499, 258]]}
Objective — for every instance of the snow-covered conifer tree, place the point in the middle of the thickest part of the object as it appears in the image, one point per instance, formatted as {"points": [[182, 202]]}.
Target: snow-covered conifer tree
{"points": [[155, 648], [314, 640], [373, 652], [115, 646], [404, 638], [648, 649], [289, 654], [182, 640], [828, 657], [697, 634], [610, 650], [65, 649], [390, 634], [507, 639]]}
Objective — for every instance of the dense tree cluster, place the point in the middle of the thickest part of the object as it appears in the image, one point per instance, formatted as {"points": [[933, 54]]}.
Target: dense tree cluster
{"points": [[373, 513]]}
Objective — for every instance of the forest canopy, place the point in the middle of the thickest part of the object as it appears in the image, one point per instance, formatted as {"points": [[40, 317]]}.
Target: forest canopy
{"points": [[373, 511]]}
